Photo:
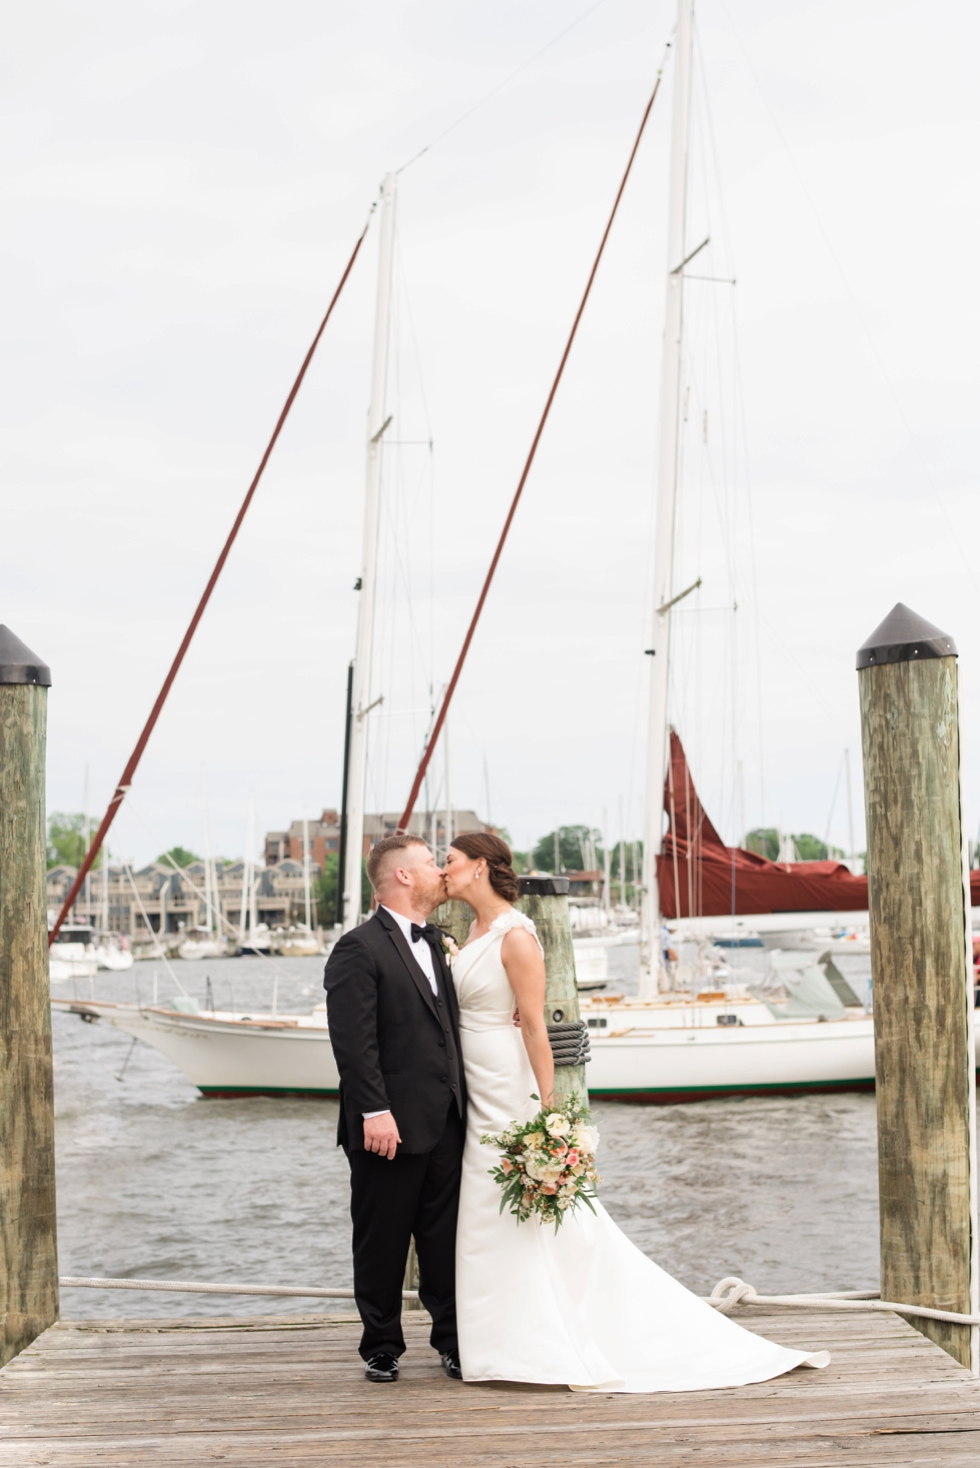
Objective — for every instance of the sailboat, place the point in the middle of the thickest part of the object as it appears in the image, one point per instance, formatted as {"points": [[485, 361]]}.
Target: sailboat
{"points": [[207, 941], [254, 939]]}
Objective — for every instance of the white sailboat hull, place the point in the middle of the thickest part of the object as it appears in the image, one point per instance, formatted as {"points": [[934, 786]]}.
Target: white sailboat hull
{"points": [[115, 960], [235, 1056], [60, 969], [688, 1064], [193, 948], [225, 1056]]}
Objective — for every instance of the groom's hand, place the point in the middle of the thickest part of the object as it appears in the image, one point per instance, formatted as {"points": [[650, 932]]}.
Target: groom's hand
{"points": [[381, 1135]]}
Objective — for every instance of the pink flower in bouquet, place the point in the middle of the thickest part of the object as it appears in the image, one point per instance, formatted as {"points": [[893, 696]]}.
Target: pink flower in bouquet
{"points": [[572, 1157]]}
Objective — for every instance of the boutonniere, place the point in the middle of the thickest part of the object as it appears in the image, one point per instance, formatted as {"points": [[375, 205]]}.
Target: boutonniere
{"points": [[449, 945]]}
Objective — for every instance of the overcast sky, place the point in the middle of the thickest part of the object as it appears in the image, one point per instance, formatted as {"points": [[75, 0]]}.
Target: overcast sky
{"points": [[183, 184]]}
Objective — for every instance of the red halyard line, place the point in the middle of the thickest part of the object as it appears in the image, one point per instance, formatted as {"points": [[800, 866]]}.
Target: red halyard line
{"points": [[450, 690], [126, 779]]}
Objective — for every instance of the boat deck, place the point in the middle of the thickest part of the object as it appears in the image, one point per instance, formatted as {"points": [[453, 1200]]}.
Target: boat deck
{"points": [[289, 1391]]}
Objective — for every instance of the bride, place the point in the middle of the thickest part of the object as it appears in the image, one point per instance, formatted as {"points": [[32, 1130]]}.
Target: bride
{"points": [[582, 1307]]}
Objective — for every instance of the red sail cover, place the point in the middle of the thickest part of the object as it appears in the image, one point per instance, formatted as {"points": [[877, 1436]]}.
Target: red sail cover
{"points": [[702, 877], [711, 879]]}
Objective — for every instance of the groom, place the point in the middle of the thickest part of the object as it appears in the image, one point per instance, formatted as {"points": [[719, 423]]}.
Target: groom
{"points": [[393, 1022]]}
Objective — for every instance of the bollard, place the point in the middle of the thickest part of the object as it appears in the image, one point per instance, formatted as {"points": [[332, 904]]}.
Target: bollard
{"points": [[545, 900], [923, 994], [28, 1237]]}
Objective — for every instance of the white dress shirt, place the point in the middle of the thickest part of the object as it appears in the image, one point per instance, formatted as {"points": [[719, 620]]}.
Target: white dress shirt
{"points": [[421, 951], [422, 954]]}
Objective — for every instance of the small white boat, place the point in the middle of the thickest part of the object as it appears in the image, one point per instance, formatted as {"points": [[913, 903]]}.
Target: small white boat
{"points": [[113, 952], [256, 942], [299, 943], [200, 943], [73, 955]]}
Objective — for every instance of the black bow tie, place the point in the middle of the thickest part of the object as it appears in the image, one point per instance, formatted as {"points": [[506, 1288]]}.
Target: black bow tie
{"points": [[424, 930]]}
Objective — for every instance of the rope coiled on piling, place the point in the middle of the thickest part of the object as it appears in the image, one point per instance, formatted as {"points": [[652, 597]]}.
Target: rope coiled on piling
{"points": [[570, 1042]]}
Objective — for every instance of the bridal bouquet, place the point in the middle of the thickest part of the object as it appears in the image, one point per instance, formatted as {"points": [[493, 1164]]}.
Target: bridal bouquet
{"points": [[547, 1164]]}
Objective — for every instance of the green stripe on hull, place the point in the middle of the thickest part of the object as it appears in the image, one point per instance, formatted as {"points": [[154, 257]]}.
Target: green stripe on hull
{"points": [[678, 1095], [652, 1095]]}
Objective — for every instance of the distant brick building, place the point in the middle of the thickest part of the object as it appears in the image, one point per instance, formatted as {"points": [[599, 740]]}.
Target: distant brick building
{"points": [[324, 833]]}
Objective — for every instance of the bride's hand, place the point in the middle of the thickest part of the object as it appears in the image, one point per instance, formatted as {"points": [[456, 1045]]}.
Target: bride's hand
{"points": [[517, 1019]]}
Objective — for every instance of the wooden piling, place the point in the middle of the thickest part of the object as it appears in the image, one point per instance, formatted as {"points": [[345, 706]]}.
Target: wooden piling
{"points": [[545, 900], [454, 917], [411, 1280], [923, 993], [28, 1238]]}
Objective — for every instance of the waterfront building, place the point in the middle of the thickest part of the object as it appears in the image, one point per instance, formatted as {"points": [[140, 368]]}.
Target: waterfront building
{"points": [[166, 901]]}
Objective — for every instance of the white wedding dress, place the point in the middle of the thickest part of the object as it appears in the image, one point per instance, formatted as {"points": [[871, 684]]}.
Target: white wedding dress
{"points": [[582, 1307]]}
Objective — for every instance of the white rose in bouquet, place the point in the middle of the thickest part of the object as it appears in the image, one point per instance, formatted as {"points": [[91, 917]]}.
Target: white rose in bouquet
{"points": [[586, 1138]]}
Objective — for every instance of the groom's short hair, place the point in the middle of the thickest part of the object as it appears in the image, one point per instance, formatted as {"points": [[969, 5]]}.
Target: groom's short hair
{"points": [[378, 865]]}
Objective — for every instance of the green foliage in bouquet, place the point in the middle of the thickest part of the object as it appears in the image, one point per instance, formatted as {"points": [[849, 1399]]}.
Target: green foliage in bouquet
{"points": [[547, 1165]]}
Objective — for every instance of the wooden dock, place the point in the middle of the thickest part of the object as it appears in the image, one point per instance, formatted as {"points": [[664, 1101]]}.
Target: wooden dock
{"points": [[288, 1390]]}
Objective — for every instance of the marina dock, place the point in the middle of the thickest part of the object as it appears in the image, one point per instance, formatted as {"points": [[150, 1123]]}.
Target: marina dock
{"points": [[289, 1390]]}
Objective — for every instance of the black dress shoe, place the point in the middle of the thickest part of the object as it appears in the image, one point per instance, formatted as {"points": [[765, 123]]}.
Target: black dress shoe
{"points": [[382, 1367], [450, 1364]]}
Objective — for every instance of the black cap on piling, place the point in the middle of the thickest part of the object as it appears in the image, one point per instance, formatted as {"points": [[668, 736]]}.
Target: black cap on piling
{"points": [[904, 637], [544, 886], [18, 664]]}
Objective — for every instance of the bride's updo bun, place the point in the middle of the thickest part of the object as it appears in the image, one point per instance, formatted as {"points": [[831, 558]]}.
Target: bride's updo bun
{"points": [[480, 846]]}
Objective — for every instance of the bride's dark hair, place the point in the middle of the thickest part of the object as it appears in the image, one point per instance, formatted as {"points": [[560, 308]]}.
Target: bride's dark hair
{"points": [[480, 846]]}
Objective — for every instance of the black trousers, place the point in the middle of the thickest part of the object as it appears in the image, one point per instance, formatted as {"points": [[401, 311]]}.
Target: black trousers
{"points": [[412, 1194]]}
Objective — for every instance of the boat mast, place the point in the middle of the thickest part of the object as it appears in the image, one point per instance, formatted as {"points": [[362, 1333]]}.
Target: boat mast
{"points": [[253, 889], [86, 843], [360, 692], [663, 566], [306, 872], [209, 882], [247, 876]]}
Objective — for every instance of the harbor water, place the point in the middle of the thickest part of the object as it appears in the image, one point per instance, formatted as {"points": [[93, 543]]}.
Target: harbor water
{"points": [[155, 1182]]}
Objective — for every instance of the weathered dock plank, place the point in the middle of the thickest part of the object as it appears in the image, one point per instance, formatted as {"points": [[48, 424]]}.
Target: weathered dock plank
{"points": [[289, 1391]]}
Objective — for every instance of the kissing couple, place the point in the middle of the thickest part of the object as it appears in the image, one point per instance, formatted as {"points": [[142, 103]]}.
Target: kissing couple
{"points": [[430, 1060]]}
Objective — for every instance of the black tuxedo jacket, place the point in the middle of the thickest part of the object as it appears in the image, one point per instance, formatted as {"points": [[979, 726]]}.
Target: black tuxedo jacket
{"points": [[396, 1044]]}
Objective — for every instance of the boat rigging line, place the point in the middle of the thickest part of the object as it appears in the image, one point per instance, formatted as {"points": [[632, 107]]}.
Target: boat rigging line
{"points": [[488, 96], [429, 749], [126, 779]]}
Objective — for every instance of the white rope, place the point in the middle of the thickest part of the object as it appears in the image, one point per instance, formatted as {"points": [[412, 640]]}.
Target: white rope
{"points": [[727, 1293], [183, 1286], [732, 1291]]}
